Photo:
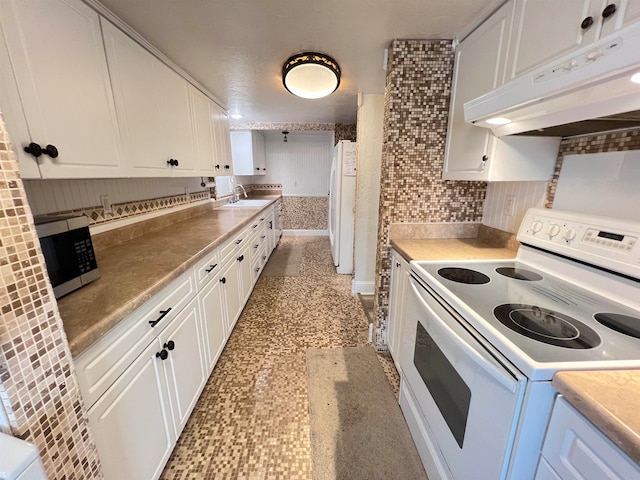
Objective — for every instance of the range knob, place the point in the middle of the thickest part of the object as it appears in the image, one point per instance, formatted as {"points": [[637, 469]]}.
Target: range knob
{"points": [[553, 230], [536, 226], [569, 234]]}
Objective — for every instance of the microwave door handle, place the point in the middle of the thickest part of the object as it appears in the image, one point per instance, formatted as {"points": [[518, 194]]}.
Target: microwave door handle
{"points": [[506, 381]]}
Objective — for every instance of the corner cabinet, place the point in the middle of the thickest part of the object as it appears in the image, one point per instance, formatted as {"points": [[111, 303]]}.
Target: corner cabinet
{"points": [[61, 95], [248, 151], [474, 153]]}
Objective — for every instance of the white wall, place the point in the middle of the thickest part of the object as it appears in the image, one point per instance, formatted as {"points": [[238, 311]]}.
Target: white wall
{"points": [[369, 147], [302, 165], [48, 196], [527, 195]]}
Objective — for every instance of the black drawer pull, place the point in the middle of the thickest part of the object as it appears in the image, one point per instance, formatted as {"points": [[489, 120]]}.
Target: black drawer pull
{"points": [[586, 23], [162, 354], [239, 241], [256, 245], [264, 256], [223, 280], [211, 267], [170, 345], [263, 237], [241, 258], [609, 10], [254, 226], [257, 269], [262, 219], [153, 323]]}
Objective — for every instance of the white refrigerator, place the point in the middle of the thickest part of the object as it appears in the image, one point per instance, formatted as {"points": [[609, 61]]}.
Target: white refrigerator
{"points": [[342, 196]]}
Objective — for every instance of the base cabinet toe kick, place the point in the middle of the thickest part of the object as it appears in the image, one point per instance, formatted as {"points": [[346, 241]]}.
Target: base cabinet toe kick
{"points": [[141, 381]]}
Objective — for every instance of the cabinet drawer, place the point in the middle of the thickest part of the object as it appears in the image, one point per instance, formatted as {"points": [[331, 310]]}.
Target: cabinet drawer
{"points": [[576, 449], [233, 244], [207, 268], [99, 366]]}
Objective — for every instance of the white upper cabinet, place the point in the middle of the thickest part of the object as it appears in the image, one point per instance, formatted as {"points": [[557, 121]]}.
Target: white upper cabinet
{"points": [[248, 151], [547, 29], [474, 153], [56, 53], [153, 105], [203, 129], [222, 140]]}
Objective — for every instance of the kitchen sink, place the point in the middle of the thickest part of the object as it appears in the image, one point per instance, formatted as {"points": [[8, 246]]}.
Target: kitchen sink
{"points": [[247, 203]]}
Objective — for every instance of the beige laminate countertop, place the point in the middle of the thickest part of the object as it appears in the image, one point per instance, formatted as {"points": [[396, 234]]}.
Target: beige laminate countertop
{"points": [[132, 272], [609, 399], [450, 249]]}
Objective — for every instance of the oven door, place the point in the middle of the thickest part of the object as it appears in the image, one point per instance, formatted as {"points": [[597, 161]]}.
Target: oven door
{"points": [[468, 395]]}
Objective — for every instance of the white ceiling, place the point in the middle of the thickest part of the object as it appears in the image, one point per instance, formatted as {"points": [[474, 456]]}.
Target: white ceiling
{"points": [[236, 48]]}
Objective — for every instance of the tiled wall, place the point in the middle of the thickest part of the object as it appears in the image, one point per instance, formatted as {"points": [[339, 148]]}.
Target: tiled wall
{"points": [[345, 131], [417, 92], [38, 389], [305, 213]]}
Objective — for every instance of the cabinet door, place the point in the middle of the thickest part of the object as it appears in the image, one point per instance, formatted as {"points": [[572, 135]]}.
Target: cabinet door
{"points": [[58, 59], [398, 290], [222, 139], [246, 278], [184, 366], [242, 153], [134, 73], [179, 139], [204, 135], [230, 280], [628, 13], [546, 29], [259, 154], [132, 424], [479, 68], [212, 310]]}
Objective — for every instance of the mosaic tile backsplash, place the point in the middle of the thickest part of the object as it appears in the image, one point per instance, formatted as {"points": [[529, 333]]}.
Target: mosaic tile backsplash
{"points": [[417, 92], [346, 131], [38, 389]]}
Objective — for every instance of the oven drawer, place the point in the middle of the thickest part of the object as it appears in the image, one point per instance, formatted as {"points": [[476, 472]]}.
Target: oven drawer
{"points": [[469, 396]]}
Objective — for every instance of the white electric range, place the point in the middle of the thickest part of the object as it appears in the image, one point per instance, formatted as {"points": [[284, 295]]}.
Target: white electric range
{"points": [[482, 339]]}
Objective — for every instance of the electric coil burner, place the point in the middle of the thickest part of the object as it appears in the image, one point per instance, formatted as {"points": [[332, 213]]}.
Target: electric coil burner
{"points": [[498, 330]]}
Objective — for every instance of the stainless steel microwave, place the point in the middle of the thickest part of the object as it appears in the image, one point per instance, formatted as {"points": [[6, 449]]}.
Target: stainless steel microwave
{"points": [[68, 252]]}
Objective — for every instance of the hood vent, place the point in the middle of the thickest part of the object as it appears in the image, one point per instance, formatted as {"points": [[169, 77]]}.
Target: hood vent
{"points": [[588, 91]]}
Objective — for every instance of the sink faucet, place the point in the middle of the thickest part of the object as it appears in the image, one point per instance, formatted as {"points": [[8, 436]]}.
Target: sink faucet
{"points": [[235, 196], [243, 190]]}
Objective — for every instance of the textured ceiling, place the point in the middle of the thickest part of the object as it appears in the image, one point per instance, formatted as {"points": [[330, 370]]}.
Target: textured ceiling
{"points": [[236, 48]]}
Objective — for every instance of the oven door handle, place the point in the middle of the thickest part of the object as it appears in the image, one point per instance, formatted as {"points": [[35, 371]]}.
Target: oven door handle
{"points": [[506, 381]]}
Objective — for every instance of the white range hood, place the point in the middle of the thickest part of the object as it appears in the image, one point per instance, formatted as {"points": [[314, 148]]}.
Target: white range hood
{"points": [[592, 82]]}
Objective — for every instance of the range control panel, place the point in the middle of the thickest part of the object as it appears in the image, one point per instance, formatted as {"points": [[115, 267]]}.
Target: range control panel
{"points": [[610, 243]]}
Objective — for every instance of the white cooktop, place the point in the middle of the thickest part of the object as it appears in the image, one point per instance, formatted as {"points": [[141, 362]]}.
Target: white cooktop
{"points": [[552, 300]]}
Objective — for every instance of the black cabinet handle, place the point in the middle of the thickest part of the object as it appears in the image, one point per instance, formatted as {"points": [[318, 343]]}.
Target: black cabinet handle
{"points": [[256, 245], [223, 280], [226, 167], [264, 257], [173, 162], [262, 219], [170, 345], [162, 354], [257, 269], [609, 10], [211, 267], [263, 237], [254, 226], [36, 150], [218, 167], [153, 323], [586, 23], [258, 168], [398, 264], [239, 241], [241, 258]]}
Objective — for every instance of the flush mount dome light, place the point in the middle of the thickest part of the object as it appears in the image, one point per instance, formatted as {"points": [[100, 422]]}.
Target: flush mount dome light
{"points": [[636, 78], [311, 75]]}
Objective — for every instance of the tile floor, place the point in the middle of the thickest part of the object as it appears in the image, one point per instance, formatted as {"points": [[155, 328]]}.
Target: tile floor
{"points": [[252, 420]]}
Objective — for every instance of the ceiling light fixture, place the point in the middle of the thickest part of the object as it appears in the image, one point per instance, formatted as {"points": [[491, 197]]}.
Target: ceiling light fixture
{"points": [[498, 121], [236, 116], [285, 133], [636, 78], [311, 75]]}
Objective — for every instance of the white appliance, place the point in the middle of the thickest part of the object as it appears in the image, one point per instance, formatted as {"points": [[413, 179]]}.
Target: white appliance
{"points": [[482, 339], [588, 83], [19, 460], [342, 197]]}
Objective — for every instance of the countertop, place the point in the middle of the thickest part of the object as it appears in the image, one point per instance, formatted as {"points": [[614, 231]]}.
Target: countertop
{"points": [[134, 271], [450, 249], [609, 399]]}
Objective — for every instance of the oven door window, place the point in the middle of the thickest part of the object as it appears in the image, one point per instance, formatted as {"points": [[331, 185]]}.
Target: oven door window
{"points": [[448, 389]]}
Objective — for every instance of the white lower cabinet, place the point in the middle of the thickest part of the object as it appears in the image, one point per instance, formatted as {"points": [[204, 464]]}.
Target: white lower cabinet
{"points": [[397, 292], [132, 423], [142, 380], [212, 308], [574, 449]]}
